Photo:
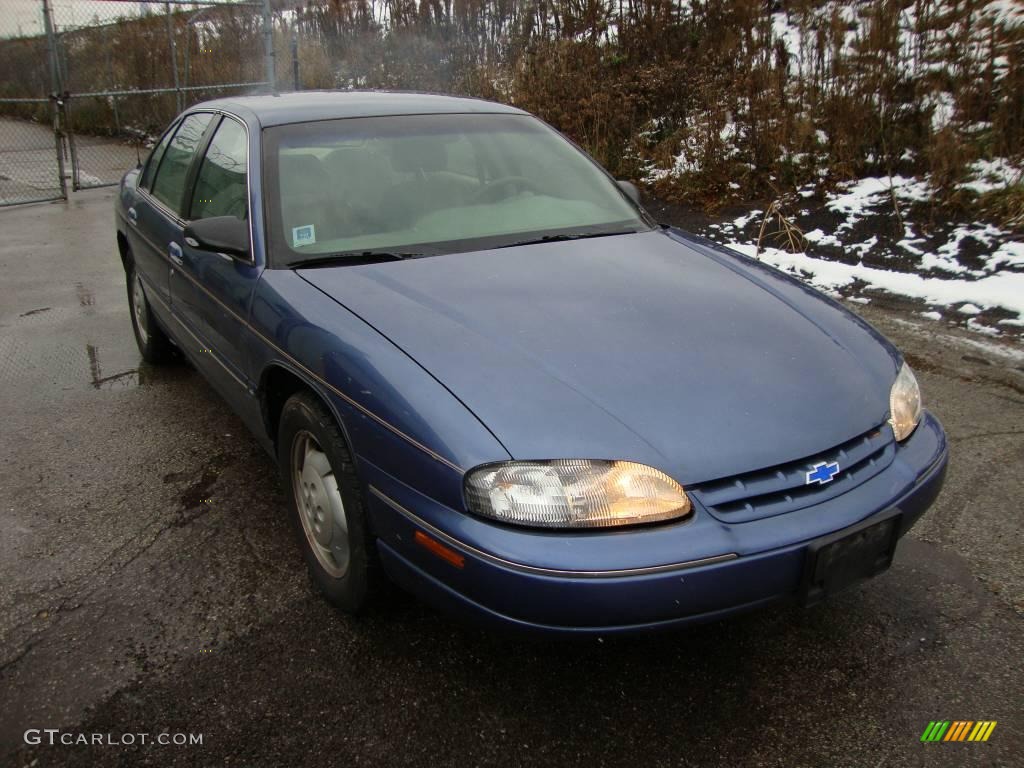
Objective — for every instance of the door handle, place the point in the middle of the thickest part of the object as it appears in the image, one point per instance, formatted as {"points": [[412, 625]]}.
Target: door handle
{"points": [[174, 251], [133, 216]]}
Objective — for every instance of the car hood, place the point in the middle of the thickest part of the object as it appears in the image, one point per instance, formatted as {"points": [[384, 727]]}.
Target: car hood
{"points": [[654, 347]]}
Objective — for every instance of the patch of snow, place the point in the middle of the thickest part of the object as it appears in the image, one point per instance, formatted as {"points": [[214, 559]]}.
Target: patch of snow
{"points": [[942, 260], [864, 247], [969, 309], [996, 350], [856, 196], [943, 109], [987, 175], [907, 244], [1012, 352], [817, 237], [932, 315], [741, 221], [790, 36], [1002, 289], [1008, 12], [977, 327], [1009, 253]]}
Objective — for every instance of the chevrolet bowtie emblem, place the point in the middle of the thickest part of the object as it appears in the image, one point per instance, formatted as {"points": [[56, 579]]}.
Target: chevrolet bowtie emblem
{"points": [[822, 472]]}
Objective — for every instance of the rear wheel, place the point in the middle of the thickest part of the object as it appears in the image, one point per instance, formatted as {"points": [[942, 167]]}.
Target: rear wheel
{"points": [[325, 499], [153, 343]]}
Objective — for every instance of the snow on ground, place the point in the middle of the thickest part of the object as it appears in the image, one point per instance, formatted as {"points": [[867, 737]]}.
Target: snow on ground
{"points": [[989, 175], [968, 273], [881, 233], [1003, 289]]}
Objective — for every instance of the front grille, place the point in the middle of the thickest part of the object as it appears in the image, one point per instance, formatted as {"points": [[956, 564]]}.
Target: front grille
{"points": [[780, 489]]}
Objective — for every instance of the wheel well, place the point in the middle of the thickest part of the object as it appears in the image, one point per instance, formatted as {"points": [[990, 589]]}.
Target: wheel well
{"points": [[277, 386], [122, 248]]}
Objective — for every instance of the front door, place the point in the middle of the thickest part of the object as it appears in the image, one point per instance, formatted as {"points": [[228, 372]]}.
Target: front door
{"points": [[211, 292], [155, 218]]}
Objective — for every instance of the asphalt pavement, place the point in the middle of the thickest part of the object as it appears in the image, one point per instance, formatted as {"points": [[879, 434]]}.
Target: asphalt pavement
{"points": [[149, 584]]}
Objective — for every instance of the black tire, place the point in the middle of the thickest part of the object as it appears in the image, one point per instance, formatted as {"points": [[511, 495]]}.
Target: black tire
{"points": [[303, 417], [153, 343]]}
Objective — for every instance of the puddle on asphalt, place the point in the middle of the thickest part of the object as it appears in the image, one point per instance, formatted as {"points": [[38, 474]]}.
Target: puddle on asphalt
{"points": [[55, 365], [142, 375]]}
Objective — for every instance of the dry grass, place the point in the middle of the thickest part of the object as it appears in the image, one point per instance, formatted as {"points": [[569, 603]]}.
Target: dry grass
{"points": [[776, 228], [709, 81]]}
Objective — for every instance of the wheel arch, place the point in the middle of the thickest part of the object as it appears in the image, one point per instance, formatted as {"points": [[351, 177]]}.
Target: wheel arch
{"points": [[278, 382]]}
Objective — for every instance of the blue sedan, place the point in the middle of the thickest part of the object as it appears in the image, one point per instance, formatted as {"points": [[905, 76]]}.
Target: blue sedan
{"points": [[486, 373]]}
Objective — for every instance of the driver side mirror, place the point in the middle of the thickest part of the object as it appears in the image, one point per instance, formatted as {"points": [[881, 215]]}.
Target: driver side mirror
{"points": [[222, 234], [630, 189]]}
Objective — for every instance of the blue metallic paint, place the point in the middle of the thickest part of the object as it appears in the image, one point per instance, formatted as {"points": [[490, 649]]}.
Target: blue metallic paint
{"points": [[308, 106], [642, 347], [661, 348], [768, 570]]}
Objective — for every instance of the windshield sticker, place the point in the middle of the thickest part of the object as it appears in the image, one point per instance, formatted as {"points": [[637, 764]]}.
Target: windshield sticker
{"points": [[303, 235]]}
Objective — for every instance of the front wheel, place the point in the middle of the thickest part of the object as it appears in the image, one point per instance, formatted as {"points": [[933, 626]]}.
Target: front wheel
{"points": [[153, 343], [325, 499]]}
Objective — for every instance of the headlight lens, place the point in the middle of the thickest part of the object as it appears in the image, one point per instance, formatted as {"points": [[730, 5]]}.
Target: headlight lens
{"points": [[575, 493], [904, 403]]}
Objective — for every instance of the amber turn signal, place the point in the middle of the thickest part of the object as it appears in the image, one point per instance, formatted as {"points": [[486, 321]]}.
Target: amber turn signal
{"points": [[434, 546]]}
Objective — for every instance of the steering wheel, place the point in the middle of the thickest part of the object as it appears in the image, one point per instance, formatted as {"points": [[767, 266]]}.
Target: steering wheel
{"points": [[488, 194]]}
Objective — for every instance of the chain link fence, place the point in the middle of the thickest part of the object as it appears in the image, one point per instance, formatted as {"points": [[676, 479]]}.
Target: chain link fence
{"points": [[86, 86]]}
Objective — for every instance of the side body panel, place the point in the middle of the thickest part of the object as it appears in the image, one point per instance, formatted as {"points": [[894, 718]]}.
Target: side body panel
{"points": [[211, 295], [396, 416]]}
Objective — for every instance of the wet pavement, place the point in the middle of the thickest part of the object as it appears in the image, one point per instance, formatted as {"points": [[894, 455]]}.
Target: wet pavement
{"points": [[149, 584]]}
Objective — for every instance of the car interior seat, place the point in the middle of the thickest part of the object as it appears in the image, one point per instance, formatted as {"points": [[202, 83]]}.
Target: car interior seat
{"points": [[307, 197]]}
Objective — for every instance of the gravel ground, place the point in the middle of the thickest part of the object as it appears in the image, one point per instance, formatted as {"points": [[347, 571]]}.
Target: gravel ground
{"points": [[149, 584]]}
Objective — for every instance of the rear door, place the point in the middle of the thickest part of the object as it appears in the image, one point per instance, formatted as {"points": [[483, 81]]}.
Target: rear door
{"points": [[149, 262]]}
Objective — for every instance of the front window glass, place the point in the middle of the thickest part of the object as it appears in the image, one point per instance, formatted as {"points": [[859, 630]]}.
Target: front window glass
{"points": [[220, 186], [169, 186], [432, 184], [154, 158]]}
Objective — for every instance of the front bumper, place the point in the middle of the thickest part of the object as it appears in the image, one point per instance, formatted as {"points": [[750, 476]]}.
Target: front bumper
{"points": [[602, 583]]}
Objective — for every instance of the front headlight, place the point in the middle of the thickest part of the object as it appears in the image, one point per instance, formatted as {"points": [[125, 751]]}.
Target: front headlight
{"points": [[904, 403], [574, 493]]}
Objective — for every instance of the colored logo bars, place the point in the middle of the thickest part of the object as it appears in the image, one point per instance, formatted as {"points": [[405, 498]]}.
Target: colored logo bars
{"points": [[958, 730]]}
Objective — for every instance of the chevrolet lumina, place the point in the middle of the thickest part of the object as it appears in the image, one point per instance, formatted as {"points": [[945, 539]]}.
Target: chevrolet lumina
{"points": [[486, 373]]}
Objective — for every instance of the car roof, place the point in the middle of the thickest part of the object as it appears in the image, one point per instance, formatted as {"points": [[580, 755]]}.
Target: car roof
{"points": [[307, 106]]}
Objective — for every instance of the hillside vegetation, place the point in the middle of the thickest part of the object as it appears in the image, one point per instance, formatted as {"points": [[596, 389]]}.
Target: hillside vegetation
{"points": [[705, 102]]}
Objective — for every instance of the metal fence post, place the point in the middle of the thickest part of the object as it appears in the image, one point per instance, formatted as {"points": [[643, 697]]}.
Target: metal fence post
{"points": [[55, 94], [295, 59], [268, 48], [85, 81], [174, 57]]}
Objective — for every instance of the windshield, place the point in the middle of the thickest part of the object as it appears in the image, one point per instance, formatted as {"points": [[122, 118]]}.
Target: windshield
{"points": [[428, 184]]}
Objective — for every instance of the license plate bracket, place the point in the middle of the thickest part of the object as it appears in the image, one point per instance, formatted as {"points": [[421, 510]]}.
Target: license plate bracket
{"points": [[848, 556]]}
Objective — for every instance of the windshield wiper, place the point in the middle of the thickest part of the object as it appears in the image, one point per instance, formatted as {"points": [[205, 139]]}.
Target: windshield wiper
{"points": [[568, 236], [352, 257]]}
